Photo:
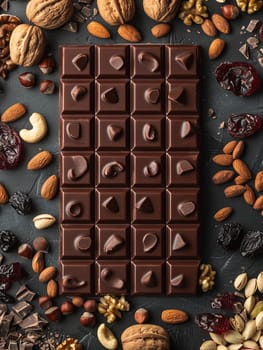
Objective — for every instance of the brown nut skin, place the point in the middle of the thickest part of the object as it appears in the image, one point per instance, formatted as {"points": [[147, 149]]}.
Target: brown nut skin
{"points": [[67, 308], [41, 244], [116, 12], [53, 314], [45, 302], [27, 45], [47, 65], [161, 11], [230, 11], [87, 319], [49, 14], [25, 251], [77, 301], [47, 87], [141, 316], [27, 79], [90, 305]]}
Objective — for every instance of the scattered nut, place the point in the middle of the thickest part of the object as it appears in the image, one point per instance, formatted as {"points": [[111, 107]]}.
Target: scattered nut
{"points": [[38, 262], [174, 316], [43, 221], [111, 307], [67, 308], [49, 188], [141, 315], [161, 11], [193, 11], [77, 301], [230, 11], [44, 302], [116, 12], [47, 65], [4, 196], [240, 281], [25, 251], [52, 289], [41, 244], [249, 6], [53, 313], [47, 87], [40, 160], [216, 48], [70, 343], [106, 337], [38, 131], [90, 305], [47, 274], [160, 30], [207, 277], [27, 79], [87, 319]]}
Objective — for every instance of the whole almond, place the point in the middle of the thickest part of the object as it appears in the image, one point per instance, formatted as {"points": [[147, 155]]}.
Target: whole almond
{"points": [[249, 195], [49, 188], [98, 30], [216, 48], [40, 160], [209, 28], [240, 180], [160, 30], [223, 213], [129, 32], [229, 147], [47, 274], [223, 159], [13, 113], [52, 288], [258, 205], [221, 23], [238, 150], [242, 169], [38, 264], [223, 176], [234, 191], [3, 195], [174, 316], [259, 181]]}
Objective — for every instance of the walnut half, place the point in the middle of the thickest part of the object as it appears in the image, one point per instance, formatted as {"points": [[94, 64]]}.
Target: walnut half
{"points": [[192, 11], [249, 6]]}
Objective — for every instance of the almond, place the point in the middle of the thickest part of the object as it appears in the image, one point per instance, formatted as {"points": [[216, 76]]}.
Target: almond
{"points": [[221, 23], [47, 274], [40, 160], [241, 168], [98, 30], [259, 181], [249, 195], [238, 150], [49, 187], [223, 213], [129, 32], [229, 147], [240, 180], [209, 28], [13, 113], [234, 191], [3, 195], [216, 48], [38, 264], [223, 159], [160, 30], [258, 205], [223, 176], [174, 316], [52, 288]]}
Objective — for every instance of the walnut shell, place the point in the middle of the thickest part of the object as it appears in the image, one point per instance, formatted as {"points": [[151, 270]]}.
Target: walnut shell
{"points": [[49, 14], [116, 12], [27, 45], [161, 10]]}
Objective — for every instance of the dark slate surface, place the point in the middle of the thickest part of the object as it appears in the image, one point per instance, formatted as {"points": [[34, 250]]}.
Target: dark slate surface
{"points": [[228, 265]]}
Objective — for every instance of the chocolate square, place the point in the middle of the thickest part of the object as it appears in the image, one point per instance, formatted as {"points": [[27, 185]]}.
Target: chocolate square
{"points": [[147, 277], [112, 61], [77, 169], [112, 241], [112, 206], [77, 133], [147, 242], [112, 96], [76, 206], [147, 96], [182, 61], [80, 105], [147, 61], [112, 277], [112, 169], [182, 96], [78, 62], [112, 133], [76, 242]]}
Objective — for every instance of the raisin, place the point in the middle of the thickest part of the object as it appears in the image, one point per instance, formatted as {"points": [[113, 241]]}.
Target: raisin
{"points": [[21, 202], [215, 323], [8, 240], [252, 244], [10, 147], [6, 298], [243, 125], [10, 273], [239, 77], [230, 235], [224, 301]]}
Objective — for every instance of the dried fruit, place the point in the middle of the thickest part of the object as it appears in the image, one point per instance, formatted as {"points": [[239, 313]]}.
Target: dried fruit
{"points": [[215, 323], [252, 244], [21, 202], [230, 235], [239, 77], [243, 125], [10, 147], [8, 240], [224, 301], [6, 298], [10, 273]]}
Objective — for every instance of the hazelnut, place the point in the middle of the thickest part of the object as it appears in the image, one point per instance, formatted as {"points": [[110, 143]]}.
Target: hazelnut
{"points": [[67, 308], [25, 251], [230, 11], [41, 244], [53, 313], [141, 315], [45, 302], [27, 79], [77, 301], [90, 306], [47, 87], [87, 319], [47, 65]]}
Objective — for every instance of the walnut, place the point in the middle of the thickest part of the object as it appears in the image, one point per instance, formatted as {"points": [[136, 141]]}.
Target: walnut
{"points": [[70, 344], [193, 11], [207, 277], [27, 45], [111, 307], [116, 12], [49, 14], [161, 10], [249, 6]]}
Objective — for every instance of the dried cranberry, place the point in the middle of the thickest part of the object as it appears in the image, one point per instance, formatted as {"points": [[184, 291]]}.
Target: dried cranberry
{"points": [[243, 125], [224, 301], [215, 323], [239, 77], [10, 147], [261, 33], [10, 273]]}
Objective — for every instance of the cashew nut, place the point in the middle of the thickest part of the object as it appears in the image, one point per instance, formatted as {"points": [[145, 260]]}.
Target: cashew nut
{"points": [[38, 131], [106, 337]]}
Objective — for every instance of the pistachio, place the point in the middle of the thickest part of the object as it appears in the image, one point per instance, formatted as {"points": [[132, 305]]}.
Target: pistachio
{"points": [[43, 221], [251, 287], [217, 338], [256, 336], [240, 281], [208, 345], [259, 321], [250, 344], [221, 347], [234, 346], [257, 309], [249, 330], [233, 337], [260, 282], [249, 303], [261, 341], [237, 323]]}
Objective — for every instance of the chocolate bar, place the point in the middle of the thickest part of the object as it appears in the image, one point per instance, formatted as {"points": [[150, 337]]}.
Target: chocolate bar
{"points": [[129, 166]]}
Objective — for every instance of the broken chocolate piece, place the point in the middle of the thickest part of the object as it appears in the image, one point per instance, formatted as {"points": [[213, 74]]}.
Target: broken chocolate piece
{"points": [[244, 50], [25, 294], [183, 166], [253, 42], [80, 61], [23, 308], [150, 240], [252, 25], [149, 279], [113, 243]]}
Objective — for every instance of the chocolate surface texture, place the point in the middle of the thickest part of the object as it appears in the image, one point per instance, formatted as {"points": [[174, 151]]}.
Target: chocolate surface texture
{"points": [[129, 165]]}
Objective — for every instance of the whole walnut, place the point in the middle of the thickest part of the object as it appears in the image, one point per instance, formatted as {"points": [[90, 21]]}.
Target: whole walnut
{"points": [[27, 45], [161, 10], [116, 12], [49, 14]]}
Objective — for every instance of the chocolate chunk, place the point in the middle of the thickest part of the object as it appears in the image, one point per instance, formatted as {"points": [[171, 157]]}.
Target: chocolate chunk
{"points": [[81, 167], [149, 132], [5, 324], [12, 345], [70, 282], [71, 27], [253, 42], [150, 240], [22, 308], [6, 298], [145, 205], [80, 61], [177, 281], [110, 96], [25, 294], [114, 132], [178, 242], [185, 60], [111, 204], [117, 62], [177, 95], [5, 5], [73, 209], [113, 243], [244, 51], [149, 61], [186, 129], [183, 166], [73, 130], [149, 279], [186, 208], [152, 95], [78, 92], [253, 25], [152, 169], [3, 309], [33, 321], [82, 243], [112, 169], [26, 346]]}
